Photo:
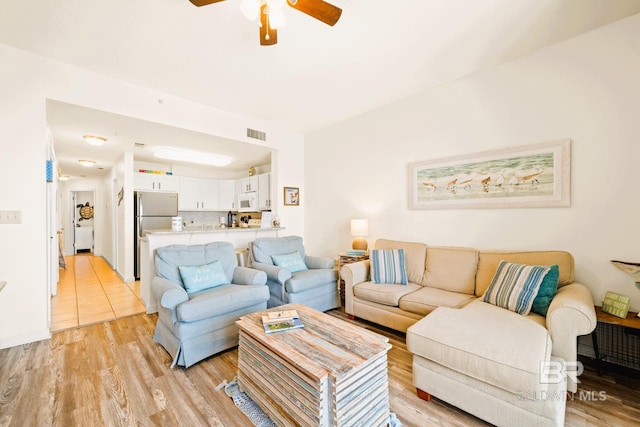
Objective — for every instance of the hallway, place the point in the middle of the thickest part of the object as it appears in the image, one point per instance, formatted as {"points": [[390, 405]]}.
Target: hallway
{"points": [[90, 292]]}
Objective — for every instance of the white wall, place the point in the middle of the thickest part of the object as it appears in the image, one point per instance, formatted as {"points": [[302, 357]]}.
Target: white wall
{"points": [[586, 89], [26, 82]]}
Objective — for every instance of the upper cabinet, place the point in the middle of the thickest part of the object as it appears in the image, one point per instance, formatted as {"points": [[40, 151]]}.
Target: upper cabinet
{"points": [[155, 182], [199, 194], [249, 184], [264, 196], [227, 195]]}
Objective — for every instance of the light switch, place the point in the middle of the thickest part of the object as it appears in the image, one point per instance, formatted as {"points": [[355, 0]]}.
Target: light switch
{"points": [[10, 217]]}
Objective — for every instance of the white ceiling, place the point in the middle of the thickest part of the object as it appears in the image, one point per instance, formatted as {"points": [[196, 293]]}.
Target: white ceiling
{"points": [[379, 51]]}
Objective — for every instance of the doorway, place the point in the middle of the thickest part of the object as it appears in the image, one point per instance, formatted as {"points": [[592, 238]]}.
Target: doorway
{"points": [[82, 221]]}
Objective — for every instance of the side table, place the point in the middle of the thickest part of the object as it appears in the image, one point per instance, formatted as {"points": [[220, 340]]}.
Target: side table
{"points": [[617, 340], [344, 260]]}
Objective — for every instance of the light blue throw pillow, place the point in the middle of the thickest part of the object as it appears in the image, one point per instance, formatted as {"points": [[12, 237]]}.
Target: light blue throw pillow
{"points": [[292, 262], [388, 266], [203, 277], [515, 286]]}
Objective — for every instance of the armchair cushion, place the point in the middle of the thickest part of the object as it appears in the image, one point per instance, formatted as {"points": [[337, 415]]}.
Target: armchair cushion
{"points": [[220, 300], [263, 248], [309, 279], [201, 277], [291, 261]]}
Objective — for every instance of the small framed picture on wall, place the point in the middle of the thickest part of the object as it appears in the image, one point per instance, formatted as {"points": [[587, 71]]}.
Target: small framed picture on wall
{"points": [[291, 196]]}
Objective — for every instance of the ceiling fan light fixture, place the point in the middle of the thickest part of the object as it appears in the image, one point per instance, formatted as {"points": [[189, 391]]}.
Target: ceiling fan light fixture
{"points": [[250, 9], [87, 163], [94, 140], [192, 156]]}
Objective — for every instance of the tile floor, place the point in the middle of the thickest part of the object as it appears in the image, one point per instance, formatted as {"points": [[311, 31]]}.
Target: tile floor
{"points": [[90, 292]]}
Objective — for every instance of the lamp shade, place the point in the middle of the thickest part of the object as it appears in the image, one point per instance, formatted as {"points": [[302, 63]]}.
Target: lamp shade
{"points": [[359, 227]]}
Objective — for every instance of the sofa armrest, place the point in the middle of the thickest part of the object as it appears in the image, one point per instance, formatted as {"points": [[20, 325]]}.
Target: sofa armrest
{"points": [[315, 262], [274, 273], [167, 293], [570, 315], [352, 274], [249, 276]]}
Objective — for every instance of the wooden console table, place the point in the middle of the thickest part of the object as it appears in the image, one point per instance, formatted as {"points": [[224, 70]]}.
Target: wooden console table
{"points": [[617, 340], [329, 373]]}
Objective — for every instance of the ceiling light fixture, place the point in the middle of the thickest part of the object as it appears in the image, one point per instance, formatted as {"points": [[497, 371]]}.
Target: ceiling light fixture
{"points": [[192, 156], [64, 178], [87, 163], [94, 140]]}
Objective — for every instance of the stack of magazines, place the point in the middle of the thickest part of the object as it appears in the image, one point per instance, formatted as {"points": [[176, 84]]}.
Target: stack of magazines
{"points": [[283, 320]]}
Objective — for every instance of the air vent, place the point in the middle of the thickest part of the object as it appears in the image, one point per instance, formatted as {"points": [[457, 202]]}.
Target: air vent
{"points": [[138, 145], [256, 134]]}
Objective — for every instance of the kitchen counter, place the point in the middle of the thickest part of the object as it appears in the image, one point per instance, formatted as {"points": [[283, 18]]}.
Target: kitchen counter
{"points": [[239, 237], [191, 229]]}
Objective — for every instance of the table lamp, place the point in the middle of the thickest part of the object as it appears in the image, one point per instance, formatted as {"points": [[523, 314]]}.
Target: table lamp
{"points": [[359, 228]]}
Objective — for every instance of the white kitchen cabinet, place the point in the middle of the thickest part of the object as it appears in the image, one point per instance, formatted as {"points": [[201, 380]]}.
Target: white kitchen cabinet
{"points": [[199, 194], [228, 195], [249, 184], [264, 195], [155, 182]]}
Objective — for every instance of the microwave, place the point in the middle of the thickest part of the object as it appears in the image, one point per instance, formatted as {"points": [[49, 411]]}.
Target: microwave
{"points": [[248, 202]]}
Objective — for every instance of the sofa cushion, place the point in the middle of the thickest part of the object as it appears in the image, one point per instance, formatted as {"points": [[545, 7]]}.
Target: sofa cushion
{"points": [[201, 277], [220, 300], [515, 286], [425, 300], [388, 266], [308, 279], [414, 256], [489, 261], [451, 269], [291, 261], [548, 289], [382, 293], [486, 342]]}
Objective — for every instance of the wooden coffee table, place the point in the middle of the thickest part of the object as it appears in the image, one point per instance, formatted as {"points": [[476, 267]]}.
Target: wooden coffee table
{"points": [[329, 373]]}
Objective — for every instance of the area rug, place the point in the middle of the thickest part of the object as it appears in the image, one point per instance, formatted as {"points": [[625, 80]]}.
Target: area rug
{"points": [[257, 415]]}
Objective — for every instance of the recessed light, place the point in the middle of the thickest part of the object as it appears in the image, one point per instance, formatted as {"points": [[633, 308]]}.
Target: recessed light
{"points": [[87, 163], [192, 156], [94, 140]]}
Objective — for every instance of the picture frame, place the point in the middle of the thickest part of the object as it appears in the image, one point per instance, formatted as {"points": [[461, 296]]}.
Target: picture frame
{"points": [[291, 196], [530, 176]]}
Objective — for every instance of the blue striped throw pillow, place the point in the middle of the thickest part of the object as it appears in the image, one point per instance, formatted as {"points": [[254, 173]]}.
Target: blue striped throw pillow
{"points": [[515, 286], [388, 266]]}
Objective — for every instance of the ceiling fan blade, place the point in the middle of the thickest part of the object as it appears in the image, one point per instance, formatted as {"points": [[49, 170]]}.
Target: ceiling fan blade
{"points": [[319, 9], [204, 2], [268, 35]]}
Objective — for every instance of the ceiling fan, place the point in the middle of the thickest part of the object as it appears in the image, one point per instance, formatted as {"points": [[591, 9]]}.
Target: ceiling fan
{"points": [[272, 17]]}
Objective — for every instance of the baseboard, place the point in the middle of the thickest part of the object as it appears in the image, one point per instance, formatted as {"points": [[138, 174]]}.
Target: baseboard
{"points": [[152, 308], [25, 339]]}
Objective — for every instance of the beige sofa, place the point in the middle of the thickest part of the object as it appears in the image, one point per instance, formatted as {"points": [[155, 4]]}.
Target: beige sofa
{"points": [[492, 362]]}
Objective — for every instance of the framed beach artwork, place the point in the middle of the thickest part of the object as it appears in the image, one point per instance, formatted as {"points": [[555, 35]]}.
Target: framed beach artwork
{"points": [[531, 176], [291, 196]]}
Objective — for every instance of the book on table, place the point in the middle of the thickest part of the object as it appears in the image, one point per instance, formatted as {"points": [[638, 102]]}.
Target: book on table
{"points": [[283, 320], [283, 325]]}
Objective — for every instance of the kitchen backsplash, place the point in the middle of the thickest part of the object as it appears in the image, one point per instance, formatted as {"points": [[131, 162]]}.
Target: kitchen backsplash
{"points": [[212, 219]]}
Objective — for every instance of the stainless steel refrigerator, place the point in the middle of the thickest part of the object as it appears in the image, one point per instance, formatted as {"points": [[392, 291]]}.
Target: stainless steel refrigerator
{"points": [[153, 211]]}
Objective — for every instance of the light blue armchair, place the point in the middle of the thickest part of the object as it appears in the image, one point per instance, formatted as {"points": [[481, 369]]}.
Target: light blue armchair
{"points": [[292, 276], [196, 320]]}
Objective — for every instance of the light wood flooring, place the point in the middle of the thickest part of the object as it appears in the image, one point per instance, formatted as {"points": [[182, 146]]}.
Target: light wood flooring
{"points": [[89, 291], [113, 374]]}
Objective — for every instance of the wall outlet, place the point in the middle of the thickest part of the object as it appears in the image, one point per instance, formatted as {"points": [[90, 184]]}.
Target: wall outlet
{"points": [[10, 217]]}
